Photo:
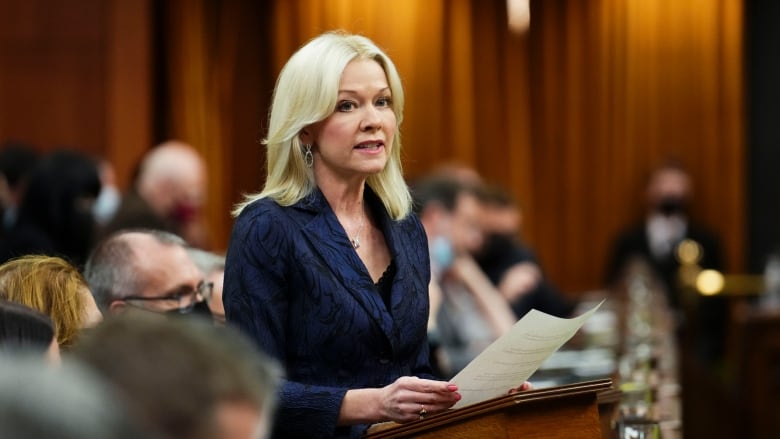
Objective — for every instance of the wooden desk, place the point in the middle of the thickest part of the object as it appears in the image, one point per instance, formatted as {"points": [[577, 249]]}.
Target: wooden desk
{"points": [[755, 356], [557, 412]]}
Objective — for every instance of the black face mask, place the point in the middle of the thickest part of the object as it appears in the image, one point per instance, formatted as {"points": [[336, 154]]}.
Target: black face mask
{"points": [[495, 247], [669, 206], [199, 310]]}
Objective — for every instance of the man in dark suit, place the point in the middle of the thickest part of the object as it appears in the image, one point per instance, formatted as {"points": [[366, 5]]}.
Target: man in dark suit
{"points": [[656, 240]]}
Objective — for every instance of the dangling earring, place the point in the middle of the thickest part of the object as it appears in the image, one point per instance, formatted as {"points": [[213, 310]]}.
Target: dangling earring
{"points": [[308, 157]]}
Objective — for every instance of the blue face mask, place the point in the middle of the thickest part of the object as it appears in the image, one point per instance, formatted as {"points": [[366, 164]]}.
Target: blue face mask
{"points": [[442, 253], [106, 204]]}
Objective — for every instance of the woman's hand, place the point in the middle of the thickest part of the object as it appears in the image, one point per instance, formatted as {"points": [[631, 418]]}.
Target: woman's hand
{"points": [[411, 398]]}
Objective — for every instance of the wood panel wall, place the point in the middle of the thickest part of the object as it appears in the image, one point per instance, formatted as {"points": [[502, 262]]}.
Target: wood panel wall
{"points": [[76, 74]]}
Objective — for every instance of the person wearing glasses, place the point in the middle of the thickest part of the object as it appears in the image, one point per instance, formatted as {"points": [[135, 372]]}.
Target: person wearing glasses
{"points": [[148, 269], [212, 265]]}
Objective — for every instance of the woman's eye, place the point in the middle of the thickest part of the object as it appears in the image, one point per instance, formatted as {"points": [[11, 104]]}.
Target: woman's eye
{"points": [[345, 106], [385, 101]]}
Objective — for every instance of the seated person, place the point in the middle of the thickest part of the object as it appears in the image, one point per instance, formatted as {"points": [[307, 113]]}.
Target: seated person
{"points": [[54, 287], [654, 240], [55, 216], [468, 312], [64, 402], [509, 263], [25, 330], [184, 378], [212, 266], [168, 193], [147, 269]]}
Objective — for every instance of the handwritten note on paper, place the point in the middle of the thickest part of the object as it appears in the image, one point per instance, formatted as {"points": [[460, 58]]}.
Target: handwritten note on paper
{"points": [[515, 356]]}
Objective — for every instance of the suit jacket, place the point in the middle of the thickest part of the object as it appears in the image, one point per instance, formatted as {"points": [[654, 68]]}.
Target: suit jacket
{"points": [[634, 242], [296, 286]]}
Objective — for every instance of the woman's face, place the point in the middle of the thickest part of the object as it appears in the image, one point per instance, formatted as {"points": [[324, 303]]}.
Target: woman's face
{"points": [[355, 140]]}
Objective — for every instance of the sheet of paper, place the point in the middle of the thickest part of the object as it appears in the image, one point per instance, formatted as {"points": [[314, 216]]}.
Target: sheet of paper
{"points": [[515, 356]]}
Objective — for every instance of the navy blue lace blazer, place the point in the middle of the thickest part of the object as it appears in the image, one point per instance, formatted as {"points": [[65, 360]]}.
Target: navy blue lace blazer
{"points": [[296, 286]]}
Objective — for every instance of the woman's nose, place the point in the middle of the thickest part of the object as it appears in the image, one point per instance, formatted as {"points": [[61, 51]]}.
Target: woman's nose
{"points": [[371, 119]]}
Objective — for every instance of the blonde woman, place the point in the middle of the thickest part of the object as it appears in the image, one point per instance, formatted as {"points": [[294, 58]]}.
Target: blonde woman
{"points": [[54, 287], [327, 269]]}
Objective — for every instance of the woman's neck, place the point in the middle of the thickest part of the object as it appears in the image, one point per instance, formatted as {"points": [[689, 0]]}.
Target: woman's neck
{"points": [[346, 199]]}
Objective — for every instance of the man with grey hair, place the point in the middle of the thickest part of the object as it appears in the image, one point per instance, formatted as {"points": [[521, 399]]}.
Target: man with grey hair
{"points": [[212, 265], [147, 269]]}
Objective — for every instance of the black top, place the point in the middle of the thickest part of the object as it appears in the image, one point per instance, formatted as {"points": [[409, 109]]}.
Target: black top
{"points": [[385, 284]]}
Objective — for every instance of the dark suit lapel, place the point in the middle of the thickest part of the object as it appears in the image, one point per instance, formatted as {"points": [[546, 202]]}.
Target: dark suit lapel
{"points": [[330, 242]]}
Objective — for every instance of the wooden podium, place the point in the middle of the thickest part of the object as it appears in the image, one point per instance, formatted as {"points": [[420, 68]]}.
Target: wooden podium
{"points": [[557, 412]]}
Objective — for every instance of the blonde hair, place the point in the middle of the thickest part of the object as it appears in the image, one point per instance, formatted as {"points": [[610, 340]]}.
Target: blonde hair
{"points": [[52, 286], [306, 92]]}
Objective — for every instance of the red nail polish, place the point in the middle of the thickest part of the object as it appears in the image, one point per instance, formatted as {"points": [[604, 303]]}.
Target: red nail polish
{"points": [[458, 397], [452, 387]]}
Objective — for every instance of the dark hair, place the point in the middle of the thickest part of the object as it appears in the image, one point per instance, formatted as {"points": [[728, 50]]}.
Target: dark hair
{"points": [[16, 161], [440, 190], [23, 328], [52, 207], [498, 196], [56, 181]]}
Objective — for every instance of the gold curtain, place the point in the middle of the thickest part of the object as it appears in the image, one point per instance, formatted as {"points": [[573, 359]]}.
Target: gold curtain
{"points": [[199, 70], [218, 83], [569, 117], [618, 86]]}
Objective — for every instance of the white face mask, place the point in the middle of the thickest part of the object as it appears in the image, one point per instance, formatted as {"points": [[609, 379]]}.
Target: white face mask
{"points": [[106, 204], [442, 253]]}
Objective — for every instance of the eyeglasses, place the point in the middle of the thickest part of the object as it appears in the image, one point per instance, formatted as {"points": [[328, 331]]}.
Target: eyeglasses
{"points": [[185, 297]]}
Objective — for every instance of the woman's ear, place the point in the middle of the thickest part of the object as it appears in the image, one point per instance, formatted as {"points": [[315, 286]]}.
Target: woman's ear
{"points": [[305, 136]]}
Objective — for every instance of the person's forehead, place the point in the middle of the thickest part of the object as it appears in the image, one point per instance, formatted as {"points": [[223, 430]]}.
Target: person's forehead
{"points": [[466, 201], [671, 179], [361, 74], [167, 265]]}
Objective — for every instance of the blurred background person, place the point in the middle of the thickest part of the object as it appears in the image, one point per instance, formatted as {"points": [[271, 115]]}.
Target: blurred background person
{"points": [[16, 162], [182, 378], [471, 312], [24, 330], [168, 194], [655, 240], [212, 266], [147, 269], [509, 263], [54, 287], [66, 402], [109, 198], [55, 214], [770, 295]]}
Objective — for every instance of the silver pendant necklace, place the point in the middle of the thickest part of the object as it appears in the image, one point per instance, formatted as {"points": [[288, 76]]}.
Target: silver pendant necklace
{"points": [[356, 240]]}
